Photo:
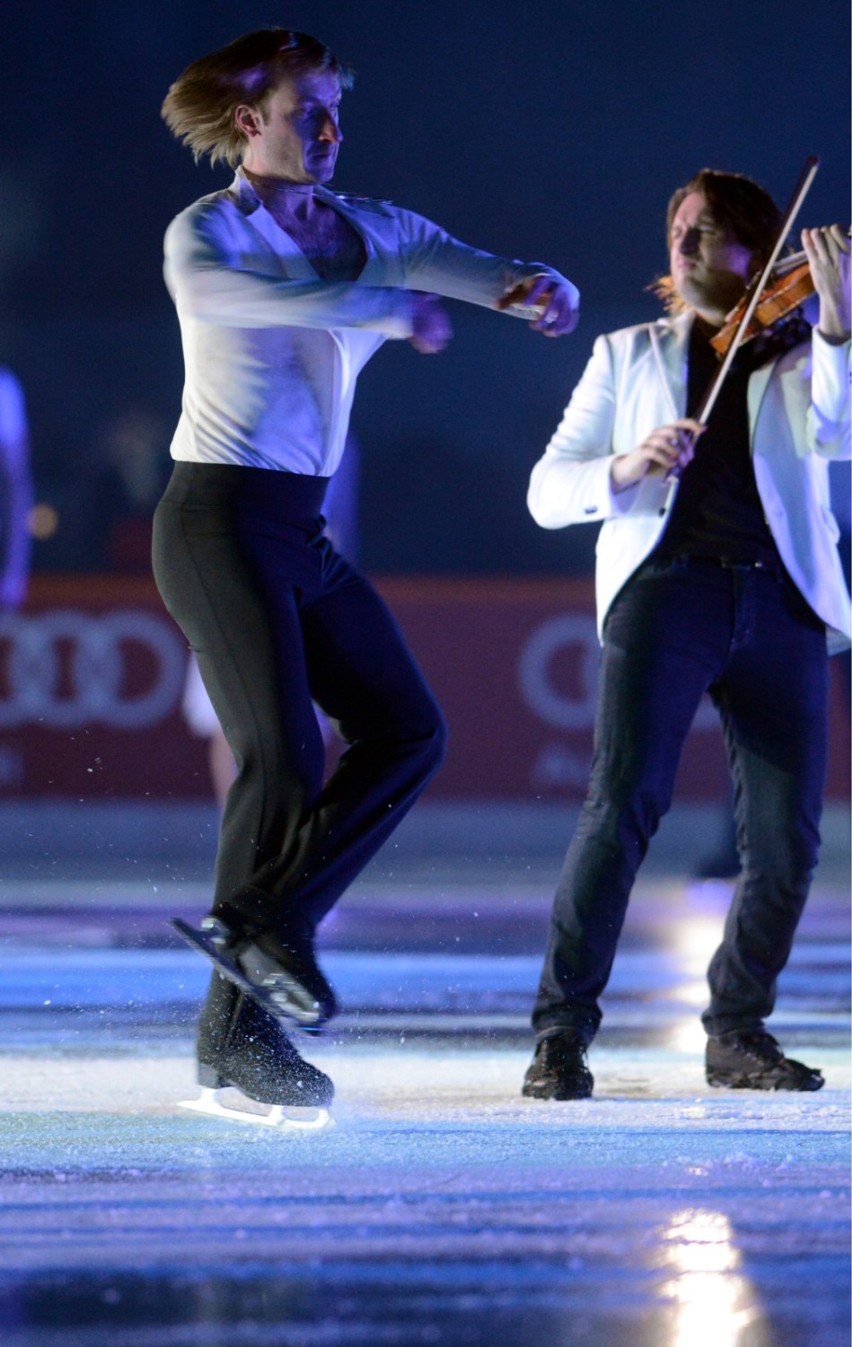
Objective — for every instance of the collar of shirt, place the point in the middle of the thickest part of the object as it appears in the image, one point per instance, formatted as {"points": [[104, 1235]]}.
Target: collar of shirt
{"points": [[249, 201]]}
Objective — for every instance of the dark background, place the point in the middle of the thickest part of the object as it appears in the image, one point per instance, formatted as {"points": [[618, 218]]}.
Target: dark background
{"points": [[552, 131]]}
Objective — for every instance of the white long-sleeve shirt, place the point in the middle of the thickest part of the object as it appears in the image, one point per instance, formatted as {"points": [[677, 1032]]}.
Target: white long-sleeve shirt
{"points": [[272, 353]]}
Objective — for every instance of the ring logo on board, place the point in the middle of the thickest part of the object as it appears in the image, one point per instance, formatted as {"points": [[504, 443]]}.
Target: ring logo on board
{"points": [[569, 644], [64, 668], [568, 639]]}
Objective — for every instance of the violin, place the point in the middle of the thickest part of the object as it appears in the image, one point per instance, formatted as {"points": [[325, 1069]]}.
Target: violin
{"points": [[792, 284]]}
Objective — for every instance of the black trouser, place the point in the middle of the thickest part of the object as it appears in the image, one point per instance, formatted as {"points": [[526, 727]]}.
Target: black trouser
{"points": [[279, 621], [676, 630]]}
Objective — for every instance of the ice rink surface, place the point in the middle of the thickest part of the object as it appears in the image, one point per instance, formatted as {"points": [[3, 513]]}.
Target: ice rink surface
{"points": [[441, 1208]]}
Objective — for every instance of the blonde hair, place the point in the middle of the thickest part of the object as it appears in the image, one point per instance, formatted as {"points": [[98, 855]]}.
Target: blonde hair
{"points": [[199, 107]]}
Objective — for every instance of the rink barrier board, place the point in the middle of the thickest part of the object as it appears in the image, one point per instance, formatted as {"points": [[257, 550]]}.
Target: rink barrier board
{"points": [[92, 673]]}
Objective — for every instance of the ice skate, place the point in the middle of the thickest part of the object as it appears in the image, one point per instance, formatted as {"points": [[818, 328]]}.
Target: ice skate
{"points": [[250, 1072], [281, 978]]}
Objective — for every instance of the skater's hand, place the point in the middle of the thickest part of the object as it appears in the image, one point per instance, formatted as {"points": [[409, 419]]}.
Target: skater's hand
{"points": [[557, 303], [431, 327]]}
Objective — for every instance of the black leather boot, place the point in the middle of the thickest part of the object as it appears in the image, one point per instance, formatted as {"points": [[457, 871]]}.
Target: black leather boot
{"points": [[559, 1069], [753, 1060]]}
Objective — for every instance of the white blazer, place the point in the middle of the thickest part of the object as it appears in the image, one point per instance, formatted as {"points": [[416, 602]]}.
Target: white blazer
{"points": [[635, 381]]}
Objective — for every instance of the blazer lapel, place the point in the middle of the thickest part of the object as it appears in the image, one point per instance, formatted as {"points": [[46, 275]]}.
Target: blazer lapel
{"points": [[757, 385], [670, 344]]}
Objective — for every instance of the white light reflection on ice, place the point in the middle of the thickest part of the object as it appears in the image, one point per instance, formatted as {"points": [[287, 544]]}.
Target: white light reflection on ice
{"points": [[694, 938], [714, 1301]]}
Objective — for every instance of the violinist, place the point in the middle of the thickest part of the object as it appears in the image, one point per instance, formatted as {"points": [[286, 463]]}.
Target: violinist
{"points": [[717, 572]]}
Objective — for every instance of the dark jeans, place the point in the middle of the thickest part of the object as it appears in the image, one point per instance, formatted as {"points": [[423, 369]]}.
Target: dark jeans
{"points": [[676, 630], [278, 620]]}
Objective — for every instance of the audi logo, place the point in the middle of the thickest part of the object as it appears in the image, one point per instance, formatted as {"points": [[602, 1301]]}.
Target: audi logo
{"points": [[65, 668], [570, 631]]}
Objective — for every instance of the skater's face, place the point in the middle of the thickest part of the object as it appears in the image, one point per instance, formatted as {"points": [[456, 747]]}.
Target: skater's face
{"points": [[294, 132]]}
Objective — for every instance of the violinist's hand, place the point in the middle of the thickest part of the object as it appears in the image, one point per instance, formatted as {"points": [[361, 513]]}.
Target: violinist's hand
{"points": [[557, 301], [664, 453], [828, 258]]}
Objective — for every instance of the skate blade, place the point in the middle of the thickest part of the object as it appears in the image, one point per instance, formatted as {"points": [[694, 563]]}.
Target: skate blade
{"points": [[292, 1015], [278, 1115]]}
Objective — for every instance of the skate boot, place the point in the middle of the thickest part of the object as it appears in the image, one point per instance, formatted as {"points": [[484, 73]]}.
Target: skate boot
{"points": [[249, 1070], [282, 976], [559, 1069], [753, 1060]]}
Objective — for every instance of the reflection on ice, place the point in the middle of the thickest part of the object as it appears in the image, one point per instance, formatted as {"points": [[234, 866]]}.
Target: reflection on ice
{"points": [[715, 1302], [692, 938]]}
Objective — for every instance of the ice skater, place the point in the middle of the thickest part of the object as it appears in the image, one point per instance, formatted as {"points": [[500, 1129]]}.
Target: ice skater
{"points": [[284, 290], [729, 584]]}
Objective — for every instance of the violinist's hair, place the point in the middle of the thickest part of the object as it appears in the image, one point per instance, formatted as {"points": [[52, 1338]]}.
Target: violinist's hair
{"points": [[199, 107], [738, 204]]}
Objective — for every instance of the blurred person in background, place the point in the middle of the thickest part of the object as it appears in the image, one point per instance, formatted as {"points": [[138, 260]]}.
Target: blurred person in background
{"points": [[16, 492], [130, 480]]}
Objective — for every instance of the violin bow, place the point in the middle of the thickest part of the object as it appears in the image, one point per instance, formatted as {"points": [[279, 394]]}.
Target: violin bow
{"points": [[708, 401]]}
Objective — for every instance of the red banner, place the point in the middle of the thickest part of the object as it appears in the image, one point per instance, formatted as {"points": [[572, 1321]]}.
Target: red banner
{"points": [[92, 675]]}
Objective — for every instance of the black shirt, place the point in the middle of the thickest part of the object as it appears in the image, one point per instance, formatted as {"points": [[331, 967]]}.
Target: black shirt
{"points": [[717, 511]]}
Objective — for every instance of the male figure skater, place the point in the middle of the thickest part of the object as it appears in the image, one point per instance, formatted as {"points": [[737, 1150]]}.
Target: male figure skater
{"points": [[284, 290], [734, 588]]}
